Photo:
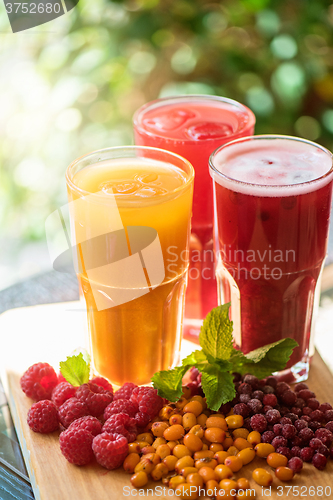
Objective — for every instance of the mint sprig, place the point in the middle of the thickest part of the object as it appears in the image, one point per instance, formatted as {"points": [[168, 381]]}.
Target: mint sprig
{"points": [[218, 359], [76, 369]]}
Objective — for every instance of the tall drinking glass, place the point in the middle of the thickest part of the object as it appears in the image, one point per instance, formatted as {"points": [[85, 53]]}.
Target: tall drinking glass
{"points": [[193, 127], [272, 208], [128, 206]]}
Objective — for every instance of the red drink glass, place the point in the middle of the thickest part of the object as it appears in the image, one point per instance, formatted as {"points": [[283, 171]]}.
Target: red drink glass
{"points": [[193, 127], [272, 210]]}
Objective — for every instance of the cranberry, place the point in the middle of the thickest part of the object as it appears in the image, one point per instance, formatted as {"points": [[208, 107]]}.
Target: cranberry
{"points": [[272, 381], [258, 395], [306, 434], [255, 405], [296, 441], [237, 377], [317, 415], [296, 464], [277, 429], [297, 411], [306, 418], [244, 398], [241, 409], [285, 421], [292, 417], [296, 451], [299, 403], [289, 431], [279, 441], [307, 454], [313, 425], [282, 387], [284, 410], [273, 416], [329, 426], [306, 394], [267, 408], [300, 386], [331, 452], [306, 410], [315, 443], [323, 450], [258, 423], [288, 398], [319, 461], [328, 415], [245, 389], [313, 403], [225, 408], [268, 389], [270, 399], [283, 450], [252, 380], [247, 424], [325, 407], [300, 424], [267, 437]]}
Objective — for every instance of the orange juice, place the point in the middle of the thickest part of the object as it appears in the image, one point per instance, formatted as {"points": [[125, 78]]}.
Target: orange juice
{"points": [[126, 215]]}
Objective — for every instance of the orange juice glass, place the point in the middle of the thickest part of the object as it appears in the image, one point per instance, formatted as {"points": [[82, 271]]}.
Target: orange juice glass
{"points": [[128, 207]]}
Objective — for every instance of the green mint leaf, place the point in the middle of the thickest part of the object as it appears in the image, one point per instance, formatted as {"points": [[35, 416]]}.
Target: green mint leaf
{"points": [[217, 386], [169, 382], [216, 333], [75, 370], [194, 358], [265, 360]]}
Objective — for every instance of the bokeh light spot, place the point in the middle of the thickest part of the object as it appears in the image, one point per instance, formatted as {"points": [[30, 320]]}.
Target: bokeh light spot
{"points": [[308, 127], [284, 47], [260, 101], [69, 119]]}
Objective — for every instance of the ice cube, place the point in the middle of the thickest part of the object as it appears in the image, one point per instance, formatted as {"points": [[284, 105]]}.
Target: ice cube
{"points": [[121, 187], [170, 120], [209, 130]]}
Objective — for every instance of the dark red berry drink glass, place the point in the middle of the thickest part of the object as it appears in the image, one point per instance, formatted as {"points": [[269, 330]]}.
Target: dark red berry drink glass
{"points": [[272, 208], [193, 127]]}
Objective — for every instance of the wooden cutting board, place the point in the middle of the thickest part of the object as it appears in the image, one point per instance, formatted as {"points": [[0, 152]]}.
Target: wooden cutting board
{"points": [[53, 478]]}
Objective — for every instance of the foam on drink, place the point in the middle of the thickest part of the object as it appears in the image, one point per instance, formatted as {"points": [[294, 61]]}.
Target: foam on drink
{"points": [[276, 168]]}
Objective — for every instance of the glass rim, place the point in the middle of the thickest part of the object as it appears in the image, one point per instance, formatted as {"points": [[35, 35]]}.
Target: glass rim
{"points": [[69, 179], [214, 171], [137, 117]]}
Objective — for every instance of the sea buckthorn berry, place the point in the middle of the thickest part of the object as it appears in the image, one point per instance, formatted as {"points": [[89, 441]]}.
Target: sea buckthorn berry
{"points": [[193, 442], [220, 456], [176, 419], [139, 479], [145, 465], [134, 447], [215, 447], [170, 461], [197, 430], [148, 449], [243, 483], [153, 457], [235, 421], [166, 412], [284, 473], [188, 470], [262, 477], [232, 450], [228, 442], [158, 428], [212, 487], [215, 435], [205, 446], [181, 403], [235, 463], [172, 444], [175, 481], [174, 432], [145, 436], [246, 455], [241, 432], [186, 491], [163, 451], [130, 462], [195, 479], [189, 421], [160, 471], [203, 454], [201, 400], [143, 444], [254, 438], [193, 407], [223, 472], [184, 462], [202, 419], [206, 462], [215, 421], [228, 484], [242, 443], [208, 474], [181, 451], [276, 460], [264, 449]]}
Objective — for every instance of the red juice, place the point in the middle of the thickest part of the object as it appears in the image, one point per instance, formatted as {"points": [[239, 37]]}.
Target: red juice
{"points": [[273, 202], [193, 127]]}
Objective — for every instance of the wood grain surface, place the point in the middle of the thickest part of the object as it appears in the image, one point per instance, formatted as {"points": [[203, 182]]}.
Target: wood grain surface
{"points": [[53, 478]]}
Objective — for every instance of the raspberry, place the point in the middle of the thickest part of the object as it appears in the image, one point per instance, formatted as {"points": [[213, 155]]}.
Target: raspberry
{"points": [[62, 392], [273, 416], [110, 449], [289, 431], [88, 423], [267, 437], [43, 417], [270, 399], [120, 406], [39, 381], [296, 464], [307, 454], [142, 419], [95, 397], [283, 450], [255, 405], [76, 446], [279, 441], [148, 400], [102, 382], [319, 461], [258, 423], [241, 409], [125, 391], [123, 424], [71, 410], [306, 434]]}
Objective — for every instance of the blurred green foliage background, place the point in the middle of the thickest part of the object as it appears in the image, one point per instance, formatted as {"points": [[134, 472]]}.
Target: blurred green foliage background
{"points": [[72, 86]]}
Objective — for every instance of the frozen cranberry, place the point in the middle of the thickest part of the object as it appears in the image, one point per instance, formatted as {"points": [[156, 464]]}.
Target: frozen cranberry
{"points": [[279, 441], [315, 443], [323, 450], [247, 424], [245, 388], [296, 464], [306, 410], [329, 426], [331, 452], [299, 403], [285, 421], [307, 454], [317, 416], [325, 436], [313, 425], [252, 380], [306, 418], [289, 431], [258, 423], [283, 450], [300, 424], [273, 416], [237, 377], [254, 405], [244, 398], [319, 461], [300, 386], [284, 410], [225, 408], [325, 407], [268, 389], [313, 403], [267, 408], [282, 387], [277, 429], [297, 411], [306, 434], [272, 381], [241, 409], [288, 398], [258, 395], [328, 415], [296, 451], [270, 399], [306, 394], [267, 437], [292, 417], [296, 441]]}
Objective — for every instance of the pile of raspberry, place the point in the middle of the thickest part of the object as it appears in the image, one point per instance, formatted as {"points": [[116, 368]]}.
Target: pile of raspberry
{"points": [[95, 423]]}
